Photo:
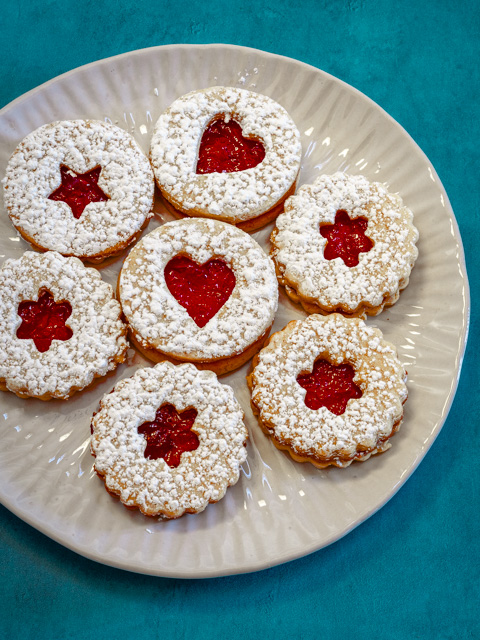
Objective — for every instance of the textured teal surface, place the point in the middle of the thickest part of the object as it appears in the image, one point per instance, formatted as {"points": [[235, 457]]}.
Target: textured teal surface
{"points": [[413, 569]]}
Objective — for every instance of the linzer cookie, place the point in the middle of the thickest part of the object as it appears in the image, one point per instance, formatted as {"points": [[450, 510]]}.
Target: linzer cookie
{"points": [[344, 245], [228, 154], [329, 390], [200, 291], [60, 326], [169, 440], [80, 187]]}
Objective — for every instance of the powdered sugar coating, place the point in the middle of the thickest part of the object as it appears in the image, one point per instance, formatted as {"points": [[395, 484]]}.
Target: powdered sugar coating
{"points": [[33, 173], [98, 342], [319, 434], [203, 475], [236, 196], [298, 246], [156, 318]]}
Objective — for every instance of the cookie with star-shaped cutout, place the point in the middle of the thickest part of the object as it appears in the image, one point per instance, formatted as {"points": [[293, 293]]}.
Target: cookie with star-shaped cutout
{"points": [[329, 390], [169, 440], [60, 326], [83, 188], [344, 244]]}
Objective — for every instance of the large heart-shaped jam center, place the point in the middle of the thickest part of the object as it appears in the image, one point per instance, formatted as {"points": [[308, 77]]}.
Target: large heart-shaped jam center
{"points": [[170, 435], [43, 320], [346, 238], [202, 289], [224, 149], [79, 189], [329, 386]]}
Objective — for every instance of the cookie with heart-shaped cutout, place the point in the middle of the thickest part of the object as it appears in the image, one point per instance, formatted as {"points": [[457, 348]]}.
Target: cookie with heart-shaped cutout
{"points": [[169, 440], [200, 291], [83, 188], [228, 154], [344, 244], [329, 390]]}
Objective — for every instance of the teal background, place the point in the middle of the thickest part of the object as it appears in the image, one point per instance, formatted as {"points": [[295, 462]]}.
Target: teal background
{"points": [[411, 570]]}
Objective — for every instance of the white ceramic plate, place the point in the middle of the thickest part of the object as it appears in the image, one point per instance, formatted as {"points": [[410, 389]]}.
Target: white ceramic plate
{"points": [[280, 509]]}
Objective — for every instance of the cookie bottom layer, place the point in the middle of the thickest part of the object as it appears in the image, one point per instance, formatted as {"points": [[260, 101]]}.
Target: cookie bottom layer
{"points": [[220, 366], [360, 312], [246, 225], [97, 378], [112, 252], [360, 456]]}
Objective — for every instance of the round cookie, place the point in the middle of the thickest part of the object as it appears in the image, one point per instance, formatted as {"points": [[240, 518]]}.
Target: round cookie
{"points": [[83, 188], [248, 198], [329, 390], [169, 440], [60, 326], [200, 291], [344, 244]]}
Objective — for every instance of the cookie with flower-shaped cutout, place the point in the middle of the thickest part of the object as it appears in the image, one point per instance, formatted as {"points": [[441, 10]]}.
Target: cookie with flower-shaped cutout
{"points": [[83, 188], [329, 390], [200, 291], [169, 440], [228, 154], [344, 244], [60, 326]]}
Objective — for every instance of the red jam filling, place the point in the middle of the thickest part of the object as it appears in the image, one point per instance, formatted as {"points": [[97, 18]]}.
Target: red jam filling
{"points": [[329, 386], [346, 238], [223, 149], [44, 321], [79, 189], [202, 289], [169, 435]]}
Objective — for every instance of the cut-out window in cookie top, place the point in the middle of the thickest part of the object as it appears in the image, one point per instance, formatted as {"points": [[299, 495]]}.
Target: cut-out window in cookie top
{"points": [[170, 435], [43, 320], [79, 189], [202, 289], [346, 238], [224, 149], [329, 386]]}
